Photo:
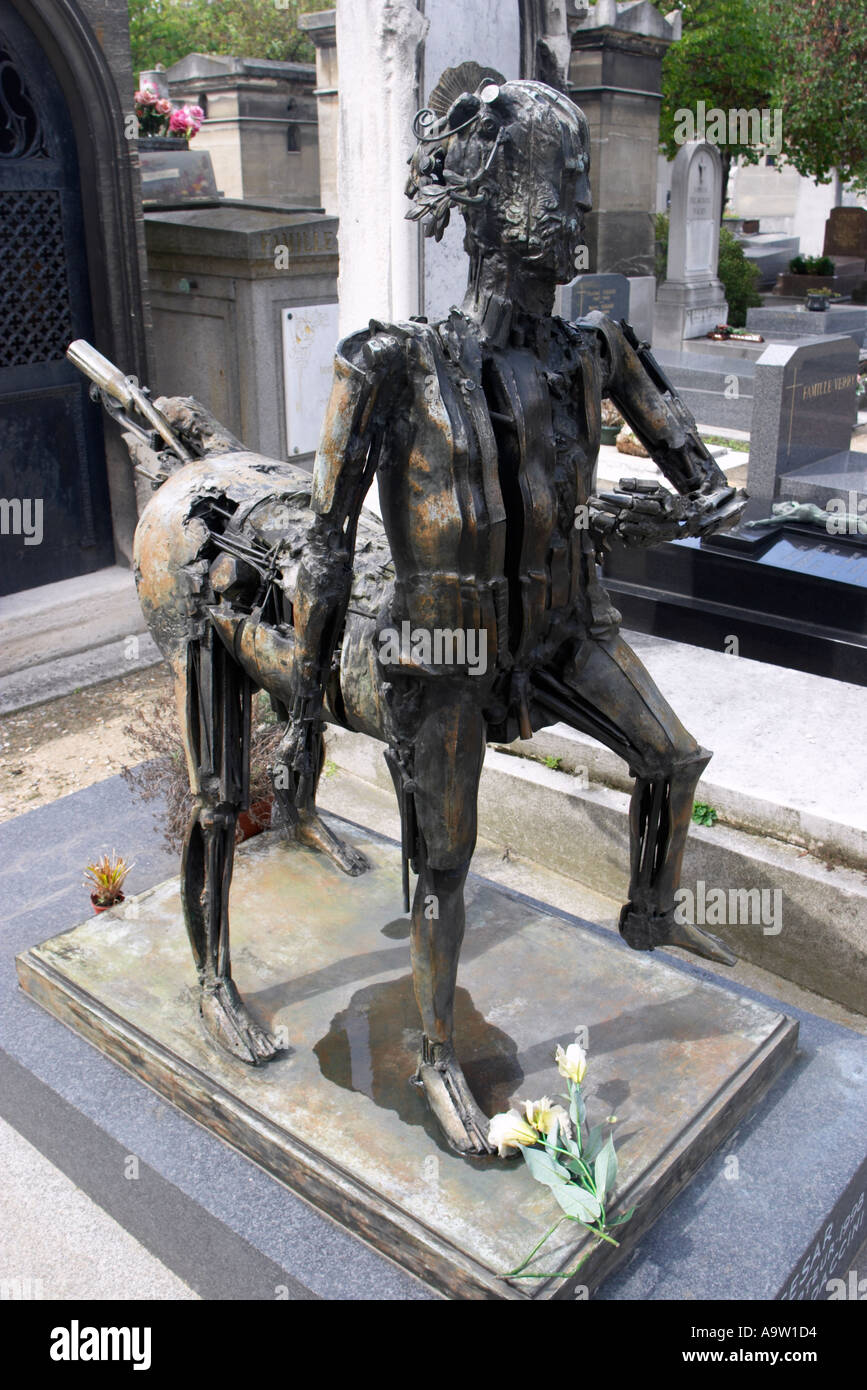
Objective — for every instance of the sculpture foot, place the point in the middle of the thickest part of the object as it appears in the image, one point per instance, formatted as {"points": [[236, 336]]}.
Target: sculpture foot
{"points": [[227, 1020], [312, 830], [454, 1106], [643, 932]]}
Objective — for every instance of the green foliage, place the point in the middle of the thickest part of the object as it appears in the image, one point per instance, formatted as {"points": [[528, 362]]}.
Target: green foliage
{"points": [[739, 278], [552, 761], [741, 445], [580, 1168], [661, 242], [811, 265], [807, 59], [723, 59], [703, 814], [163, 31], [819, 84]]}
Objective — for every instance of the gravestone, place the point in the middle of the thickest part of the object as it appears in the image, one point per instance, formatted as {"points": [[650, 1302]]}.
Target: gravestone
{"points": [[691, 301], [803, 417], [846, 233], [586, 293]]}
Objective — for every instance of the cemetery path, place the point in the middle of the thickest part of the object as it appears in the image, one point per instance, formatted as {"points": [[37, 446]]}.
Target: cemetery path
{"points": [[72, 742]]}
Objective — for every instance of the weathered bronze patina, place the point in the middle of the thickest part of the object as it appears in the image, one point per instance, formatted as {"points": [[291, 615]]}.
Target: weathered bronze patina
{"points": [[474, 610]]}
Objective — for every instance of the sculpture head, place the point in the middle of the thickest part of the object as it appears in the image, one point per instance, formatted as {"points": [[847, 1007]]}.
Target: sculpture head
{"points": [[515, 158]]}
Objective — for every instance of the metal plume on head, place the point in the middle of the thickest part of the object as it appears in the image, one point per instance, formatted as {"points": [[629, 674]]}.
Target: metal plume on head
{"points": [[457, 102]]}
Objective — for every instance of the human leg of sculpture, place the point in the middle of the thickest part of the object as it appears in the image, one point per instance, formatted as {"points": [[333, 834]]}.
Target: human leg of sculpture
{"points": [[296, 798], [213, 696], [448, 751], [608, 693]]}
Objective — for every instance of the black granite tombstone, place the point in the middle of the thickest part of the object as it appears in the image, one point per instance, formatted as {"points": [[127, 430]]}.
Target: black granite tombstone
{"points": [[607, 293]]}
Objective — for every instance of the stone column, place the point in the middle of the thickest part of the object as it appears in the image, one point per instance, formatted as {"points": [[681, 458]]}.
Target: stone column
{"points": [[615, 77], [378, 49], [487, 32], [321, 25]]}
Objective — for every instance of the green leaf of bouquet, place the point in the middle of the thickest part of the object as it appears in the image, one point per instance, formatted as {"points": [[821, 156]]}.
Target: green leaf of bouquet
{"points": [[593, 1143], [555, 1139], [623, 1218], [605, 1168], [544, 1168], [577, 1108], [578, 1203]]}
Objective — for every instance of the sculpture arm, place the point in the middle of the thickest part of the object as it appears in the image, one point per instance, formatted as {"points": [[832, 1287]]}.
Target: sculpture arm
{"points": [[646, 399], [367, 377]]}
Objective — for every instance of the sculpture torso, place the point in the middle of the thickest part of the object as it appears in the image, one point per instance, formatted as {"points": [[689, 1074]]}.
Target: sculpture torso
{"points": [[488, 451]]}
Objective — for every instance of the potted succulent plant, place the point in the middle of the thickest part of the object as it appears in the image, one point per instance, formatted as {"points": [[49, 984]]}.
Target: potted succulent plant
{"points": [[817, 300], [105, 879]]}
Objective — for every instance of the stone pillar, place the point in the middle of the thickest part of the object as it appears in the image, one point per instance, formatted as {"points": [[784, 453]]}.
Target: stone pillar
{"points": [[615, 77], [378, 49], [487, 32], [321, 25], [691, 301]]}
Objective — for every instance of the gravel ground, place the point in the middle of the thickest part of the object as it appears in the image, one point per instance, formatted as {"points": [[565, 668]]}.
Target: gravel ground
{"points": [[50, 750]]}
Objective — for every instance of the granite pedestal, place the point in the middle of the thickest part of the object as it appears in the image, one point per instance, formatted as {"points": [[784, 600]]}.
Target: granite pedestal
{"points": [[325, 962]]}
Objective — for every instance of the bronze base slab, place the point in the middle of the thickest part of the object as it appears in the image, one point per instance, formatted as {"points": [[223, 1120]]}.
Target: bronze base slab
{"points": [[324, 960]]}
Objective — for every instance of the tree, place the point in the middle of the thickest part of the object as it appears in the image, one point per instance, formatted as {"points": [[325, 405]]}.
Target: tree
{"points": [[162, 31], [724, 59], [819, 83]]}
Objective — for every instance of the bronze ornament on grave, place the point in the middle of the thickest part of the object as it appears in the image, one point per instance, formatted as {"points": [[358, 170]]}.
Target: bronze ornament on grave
{"points": [[473, 611]]}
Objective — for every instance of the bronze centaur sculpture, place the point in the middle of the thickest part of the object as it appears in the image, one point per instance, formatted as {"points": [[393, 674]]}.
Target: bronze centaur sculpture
{"points": [[482, 432]]}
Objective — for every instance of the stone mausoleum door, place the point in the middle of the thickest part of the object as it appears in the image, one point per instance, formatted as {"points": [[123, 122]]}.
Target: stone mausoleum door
{"points": [[55, 520]]}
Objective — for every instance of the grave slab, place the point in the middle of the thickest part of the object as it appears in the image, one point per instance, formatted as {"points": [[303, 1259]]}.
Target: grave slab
{"points": [[717, 391], [680, 1059], [781, 324]]}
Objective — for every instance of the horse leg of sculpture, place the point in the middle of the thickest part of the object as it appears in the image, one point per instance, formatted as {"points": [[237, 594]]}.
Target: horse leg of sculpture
{"points": [[613, 690], [213, 696], [449, 749], [298, 806]]}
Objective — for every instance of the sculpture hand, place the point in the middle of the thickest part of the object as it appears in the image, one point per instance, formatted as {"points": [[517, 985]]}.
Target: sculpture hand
{"points": [[638, 513], [717, 509]]}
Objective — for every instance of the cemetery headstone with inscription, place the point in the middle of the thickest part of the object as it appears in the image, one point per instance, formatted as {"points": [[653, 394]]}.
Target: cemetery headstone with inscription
{"points": [[691, 301], [609, 294], [804, 414], [846, 233]]}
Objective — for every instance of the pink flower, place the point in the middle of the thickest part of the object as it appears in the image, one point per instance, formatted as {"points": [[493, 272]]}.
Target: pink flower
{"points": [[196, 112], [178, 121], [146, 96], [164, 106]]}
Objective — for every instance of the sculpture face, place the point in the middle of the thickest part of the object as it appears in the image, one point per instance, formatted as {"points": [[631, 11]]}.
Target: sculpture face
{"points": [[534, 143], [515, 158]]}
